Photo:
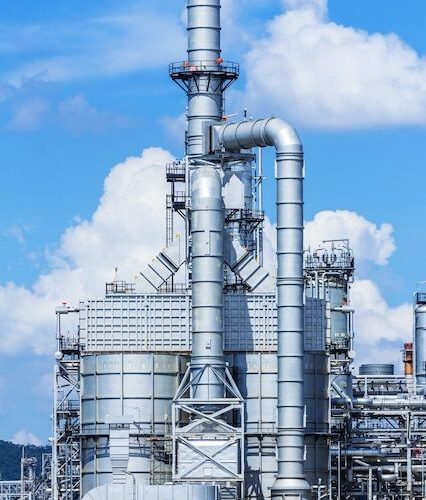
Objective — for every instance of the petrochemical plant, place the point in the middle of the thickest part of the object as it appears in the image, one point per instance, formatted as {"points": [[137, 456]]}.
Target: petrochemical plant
{"points": [[212, 378]]}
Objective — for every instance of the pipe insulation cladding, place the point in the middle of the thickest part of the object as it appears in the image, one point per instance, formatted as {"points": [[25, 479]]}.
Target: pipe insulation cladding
{"points": [[290, 481], [205, 96], [207, 227]]}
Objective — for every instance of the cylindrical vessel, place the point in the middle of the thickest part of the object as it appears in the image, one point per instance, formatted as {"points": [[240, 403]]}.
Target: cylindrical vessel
{"points": [[337, 296], [205, 96], [207, 283], [377, 369], [140, 386], [420, 339]]}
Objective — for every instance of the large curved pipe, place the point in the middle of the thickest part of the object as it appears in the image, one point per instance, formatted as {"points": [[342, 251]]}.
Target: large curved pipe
{"points": [[290, 481]]}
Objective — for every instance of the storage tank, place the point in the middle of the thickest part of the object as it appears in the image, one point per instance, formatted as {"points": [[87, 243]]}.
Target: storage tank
{"points": [[377, 369], [420, 337], [140, 386]]}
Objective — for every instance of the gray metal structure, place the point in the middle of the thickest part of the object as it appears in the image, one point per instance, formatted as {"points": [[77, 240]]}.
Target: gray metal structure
{"points": [[420, 337], [209, 377], [30, 486]]}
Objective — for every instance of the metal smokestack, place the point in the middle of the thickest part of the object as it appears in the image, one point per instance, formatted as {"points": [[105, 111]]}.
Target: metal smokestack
{"points": [[205, 96], [205, 103], [204, 77]]}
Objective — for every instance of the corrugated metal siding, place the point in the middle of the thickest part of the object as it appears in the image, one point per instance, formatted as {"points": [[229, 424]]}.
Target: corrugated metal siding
{"points": [[163, 323]]}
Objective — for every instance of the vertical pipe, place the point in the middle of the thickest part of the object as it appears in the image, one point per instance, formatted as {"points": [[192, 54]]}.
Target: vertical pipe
{"points": [[207, 282], [290, 482], [370, 483], [205, 106], [205, 96]]}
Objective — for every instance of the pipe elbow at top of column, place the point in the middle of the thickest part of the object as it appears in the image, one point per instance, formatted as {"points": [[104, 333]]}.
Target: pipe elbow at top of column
{"points": [[248, 134]]}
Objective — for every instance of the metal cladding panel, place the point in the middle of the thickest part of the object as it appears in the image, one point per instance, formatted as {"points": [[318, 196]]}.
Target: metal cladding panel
{"points": [[163, 323], [315, 325], [316, 392], [317, 459], [261, 466], [136, 323], [256, 377], [180, 492], [339, 318], [140, 386], [226, 454]]}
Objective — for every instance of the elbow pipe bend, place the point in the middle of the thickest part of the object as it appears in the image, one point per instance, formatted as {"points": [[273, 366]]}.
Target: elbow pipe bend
{"points": [[268, 132]]}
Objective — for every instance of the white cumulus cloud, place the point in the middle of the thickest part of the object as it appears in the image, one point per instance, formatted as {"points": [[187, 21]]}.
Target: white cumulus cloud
{"points": [[375, 320], [369, 241], [127, 229], [25, 438], [380, 329], [322, 74]]}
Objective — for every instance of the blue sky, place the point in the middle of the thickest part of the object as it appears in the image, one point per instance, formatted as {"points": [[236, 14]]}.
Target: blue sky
{"points": [[84, 85]]}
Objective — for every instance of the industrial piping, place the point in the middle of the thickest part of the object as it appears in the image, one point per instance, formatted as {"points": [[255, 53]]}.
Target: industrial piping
{"points": [[205, 104], [205, 97], [290, 481], [207, 284]]}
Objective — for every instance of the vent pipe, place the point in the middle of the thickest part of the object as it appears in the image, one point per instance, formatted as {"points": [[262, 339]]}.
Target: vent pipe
{"points": [[205, 95], [290, 481]]}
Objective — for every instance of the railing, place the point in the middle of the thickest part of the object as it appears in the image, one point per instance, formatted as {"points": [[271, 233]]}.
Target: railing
{"points": [[329, 261], [175, 171], [69, 405], [244, 215], [179, 288], [119, 287], [184, 68], [69, 343]]}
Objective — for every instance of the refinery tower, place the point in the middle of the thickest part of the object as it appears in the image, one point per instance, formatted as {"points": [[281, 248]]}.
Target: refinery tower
{"points": [[212, 377]]}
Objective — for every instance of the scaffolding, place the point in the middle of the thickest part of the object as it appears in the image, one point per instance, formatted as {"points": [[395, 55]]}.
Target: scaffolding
{"points": [[66, 418]]}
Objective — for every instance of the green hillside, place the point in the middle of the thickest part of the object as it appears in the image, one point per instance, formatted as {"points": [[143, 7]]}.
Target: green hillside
{"points": [[10, 458]]}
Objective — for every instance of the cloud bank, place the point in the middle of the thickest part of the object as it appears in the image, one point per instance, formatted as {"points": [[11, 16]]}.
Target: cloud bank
{"points": [[26, 438], [322, 74], [125, 231], [128, 228]]}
